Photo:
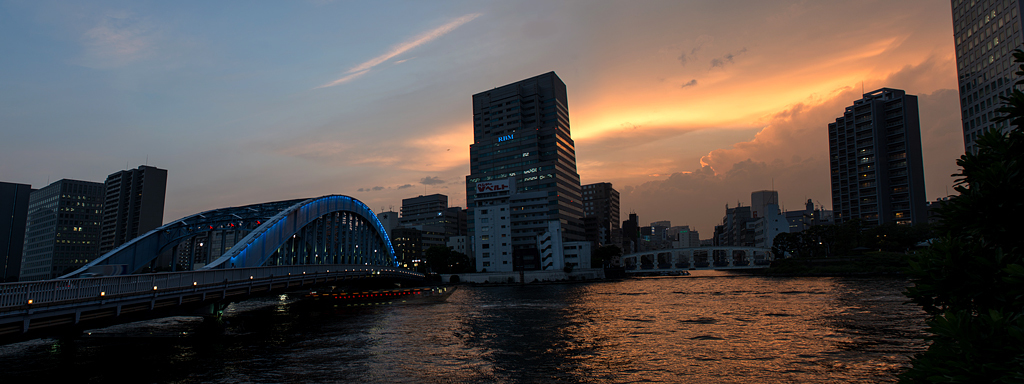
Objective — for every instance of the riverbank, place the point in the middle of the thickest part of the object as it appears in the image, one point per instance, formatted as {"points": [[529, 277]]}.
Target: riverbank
{"points": [[870, 264]]}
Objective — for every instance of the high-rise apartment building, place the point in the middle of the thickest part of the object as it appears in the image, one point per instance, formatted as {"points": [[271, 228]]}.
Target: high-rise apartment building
{"points": [[876, 160], [133, 205], [985, 33], [521, 131], [13, 216], [63, 228], [601, 208]]}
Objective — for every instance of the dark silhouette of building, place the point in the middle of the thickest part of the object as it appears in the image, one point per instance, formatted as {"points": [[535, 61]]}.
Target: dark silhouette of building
{"points": [[13, 216], [63, 228], [810, 216], [133, 205], [424, 210], [521, 131], [408, 245], [736, 229], [601, 214], [630, 234], [985, 34], [431, 215], [876, 161]]}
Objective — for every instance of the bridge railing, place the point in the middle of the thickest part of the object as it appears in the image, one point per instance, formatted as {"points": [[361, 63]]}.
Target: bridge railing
{"points": [[51, 291]]}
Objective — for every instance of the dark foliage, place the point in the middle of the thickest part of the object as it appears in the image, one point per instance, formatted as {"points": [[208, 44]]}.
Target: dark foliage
{"points": [[441, 259], [604, 254], [971, 281]]}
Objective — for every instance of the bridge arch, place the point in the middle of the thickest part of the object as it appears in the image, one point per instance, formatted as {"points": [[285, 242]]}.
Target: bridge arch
{"points": [[332, 229]]}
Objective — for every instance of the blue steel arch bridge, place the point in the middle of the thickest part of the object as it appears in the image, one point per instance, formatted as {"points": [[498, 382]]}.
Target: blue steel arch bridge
{"points": [[199, 264]]}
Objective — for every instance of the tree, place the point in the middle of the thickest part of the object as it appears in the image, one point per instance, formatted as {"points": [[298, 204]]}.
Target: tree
{"points": [[604, 254], [441, 259], [970, 282]]}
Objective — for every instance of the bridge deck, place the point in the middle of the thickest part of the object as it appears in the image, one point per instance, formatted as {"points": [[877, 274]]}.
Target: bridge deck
{"points": [[36, 309]]}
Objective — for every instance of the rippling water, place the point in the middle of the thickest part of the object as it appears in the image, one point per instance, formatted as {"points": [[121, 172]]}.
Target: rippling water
{"points": [[714, 328]]}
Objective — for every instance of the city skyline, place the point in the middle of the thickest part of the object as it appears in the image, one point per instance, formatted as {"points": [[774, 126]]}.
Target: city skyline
{"points": [[682, 107]]}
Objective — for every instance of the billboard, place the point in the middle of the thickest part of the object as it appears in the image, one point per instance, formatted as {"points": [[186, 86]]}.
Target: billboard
{"points": [[492, 186]]}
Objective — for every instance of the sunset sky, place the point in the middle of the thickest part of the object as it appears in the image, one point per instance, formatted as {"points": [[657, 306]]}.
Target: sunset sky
{"points": [[685, 106]]}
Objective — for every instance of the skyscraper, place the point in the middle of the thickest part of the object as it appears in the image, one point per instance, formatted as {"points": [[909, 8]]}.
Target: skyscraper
{"points": [[521, 131], [63, 228], [985, 33], [876, 161], [13, 216], [134, 205], [601, 206]]}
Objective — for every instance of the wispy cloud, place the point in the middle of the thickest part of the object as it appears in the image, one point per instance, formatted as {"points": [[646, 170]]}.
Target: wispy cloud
{"points": [[399, 49], [431, 180], [119, 38], [690, 83], [726, 59]]}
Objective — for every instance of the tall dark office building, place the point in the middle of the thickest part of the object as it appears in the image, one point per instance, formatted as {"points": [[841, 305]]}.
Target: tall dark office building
{"points": [[134, 205], [63, 228], [630, 234], [601, 209], [876, 161], [985, 32], [521, 131], [13, 216]]}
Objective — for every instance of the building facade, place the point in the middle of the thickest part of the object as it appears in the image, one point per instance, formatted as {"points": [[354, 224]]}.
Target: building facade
{"points": [[876, 161], [521, 131], [431, 215], [63, 228], [133, 205], [985, 34], [601, 214], [492, 226], [13, 216], [761, 199], [810, 216]]}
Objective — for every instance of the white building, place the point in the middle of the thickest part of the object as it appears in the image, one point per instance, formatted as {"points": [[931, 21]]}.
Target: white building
{"points": [[556, 255], [768, 226], [577, 254], [492, 226]]}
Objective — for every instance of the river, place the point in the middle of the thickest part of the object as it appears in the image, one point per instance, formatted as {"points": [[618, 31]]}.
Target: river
{"points": [[713, 327]]}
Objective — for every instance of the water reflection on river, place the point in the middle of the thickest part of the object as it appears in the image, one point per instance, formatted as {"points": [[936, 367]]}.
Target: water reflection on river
{"points": [[695, 329]]}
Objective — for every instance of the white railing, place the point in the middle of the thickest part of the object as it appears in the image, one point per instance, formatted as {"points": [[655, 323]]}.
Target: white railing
{"points": [[66, 290]]}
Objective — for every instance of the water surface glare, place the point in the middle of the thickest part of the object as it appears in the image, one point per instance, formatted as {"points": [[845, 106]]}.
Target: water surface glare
{"points": [[724, 329]]}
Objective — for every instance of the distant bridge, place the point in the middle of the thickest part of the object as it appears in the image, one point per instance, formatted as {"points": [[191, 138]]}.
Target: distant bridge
{"points": [[199, 264], [683, 259]]}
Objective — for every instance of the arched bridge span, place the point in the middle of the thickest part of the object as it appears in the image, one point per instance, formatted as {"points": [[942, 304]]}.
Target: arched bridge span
{"points": [[328, 230]]}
